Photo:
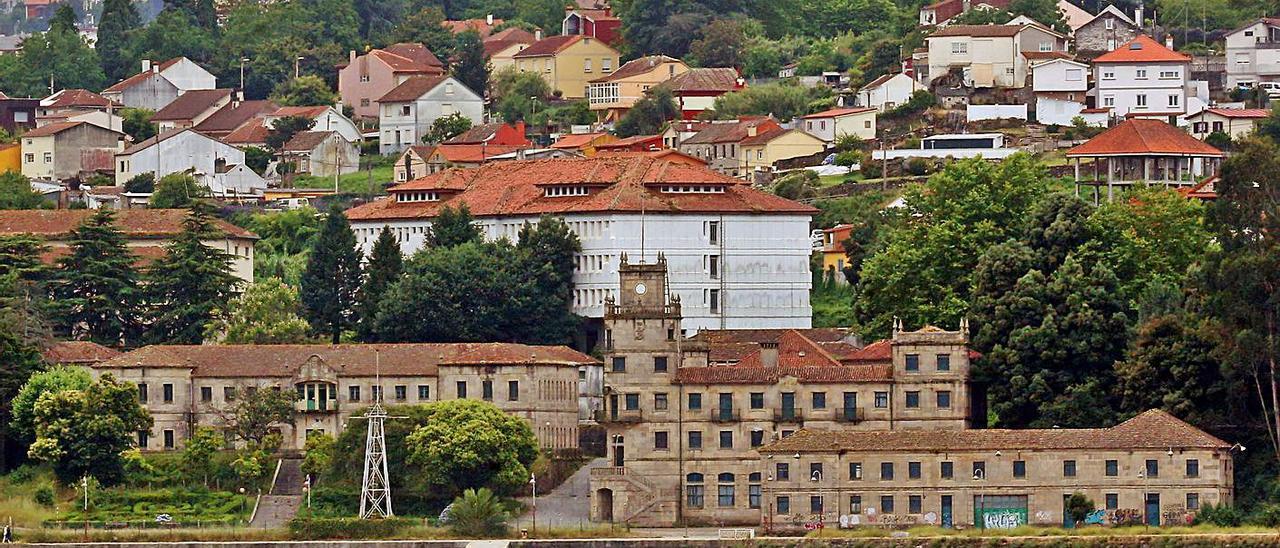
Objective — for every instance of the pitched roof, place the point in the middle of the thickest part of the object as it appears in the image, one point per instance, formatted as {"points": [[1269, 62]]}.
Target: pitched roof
{"points": [[729, 132], [134, 223], [1152, 430], [481, 26], [627, 142], [470, 153], [638, 66], [577, 140], [1111, 9], [77, 352], [492, 47], [1042, 55], [53, 129], [477, 134], [514, 35], [1142, 49], [306, 112], [306, 141], [704, 79], [1139, 136], [252, 132], [549, 46], [399, 63], [1204, 190], [766, 136], [414, 52], [1074, 15], [75, 98], [141, 76], [163, 136], [838, 112], [191, 104], [389, 360], [619, 183], [233, 115], [412, 88], [1237, 112], [984, 31], [880, 80]]}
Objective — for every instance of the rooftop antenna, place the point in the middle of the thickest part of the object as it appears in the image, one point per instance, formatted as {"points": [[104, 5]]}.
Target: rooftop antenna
{"points": [[375, 490], [642, 233]]}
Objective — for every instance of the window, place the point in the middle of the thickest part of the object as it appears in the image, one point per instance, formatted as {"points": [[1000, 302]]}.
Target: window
{"points": [[1046, 46], [462, 389], [1141, 74], [855, 504], [143, 436], [783, 471], [619, 364], [1108, 101], [1140, 101], [713, 232], [586, 65], [1019, 468], [166, 392], [815, 471], [660, 440], [913, 470], [726, 439], [947, 469], [1110, 24], [855, 470], [886, 504], [424, 392], [606, 65], [694, 491], [353, 393], [724, 491], [486, 390], [1112, 501], [757, 438], [695, 439], [944, 362], [713, 301], [406, 110], [1174, 101], [713, 266], [944, 399], [959, 48], [30, 158], [375, 392], [660, 401], [886, 471], [695, 401], [1200, 127], [913, 362], [1113, 468], [757, 400], [1169, 75], [914, 502], [1074, 75], [980, 468], [659, 364], [168, 439], [1193, 469], [513, 391], [913, 399], [784, 505], [632, 401], [753, 490], [1153, 468], [1193, 501], [206, 394], [142, 392], [882, 400], [815, 504], [1217, 126], [364, 77], [48, 157], [1108, 74], [819, 400]]}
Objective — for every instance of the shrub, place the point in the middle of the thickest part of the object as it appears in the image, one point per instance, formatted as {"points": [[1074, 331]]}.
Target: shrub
{"points": [[44, 495], [848, 158], [1218, 140], [917, 166], [1266, 515], [346, 528], [22, 474], [478, 514], [1220, 515]]}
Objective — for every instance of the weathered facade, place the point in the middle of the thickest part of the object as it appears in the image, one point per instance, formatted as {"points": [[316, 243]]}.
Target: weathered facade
{"points": [[1104, 32]]}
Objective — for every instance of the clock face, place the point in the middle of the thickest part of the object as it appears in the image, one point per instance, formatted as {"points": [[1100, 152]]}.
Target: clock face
{"points": [[640, 289]]}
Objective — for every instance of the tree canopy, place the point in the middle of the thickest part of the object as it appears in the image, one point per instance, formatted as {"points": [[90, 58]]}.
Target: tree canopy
{"points": [[86, 432], [332, 277], [466, 444], [266, 313]]}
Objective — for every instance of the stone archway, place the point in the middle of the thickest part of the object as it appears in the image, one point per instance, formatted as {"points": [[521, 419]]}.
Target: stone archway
{"points": [[604, 504]]}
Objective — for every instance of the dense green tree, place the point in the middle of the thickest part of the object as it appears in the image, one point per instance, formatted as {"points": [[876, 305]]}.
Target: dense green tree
{"points": [[22, 334], [1172, 365], [378, 17], [547, 251], [197, 453], [173, 34], [144, 182], [54, 379], [426, 26], [650, 114], [187, 286], [304, 91], [58, 56], [64, 19], [266, 313], [20, 256], [16, 192], [332, 277], [317, 453], [119, 20], [385, 266], [467, 444], [202, 12], [544, 14], [781, 100], [1153, 236], [468, 63], [447, 127], [284, 241], [85, 432], [137, 123], [721, 44], [255, 414], [95, 291], [453, 226], [177, 190], [284, 128], [257, 158]]}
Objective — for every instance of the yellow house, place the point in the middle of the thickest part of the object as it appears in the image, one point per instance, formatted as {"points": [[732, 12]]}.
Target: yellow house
{"points": [[10, 158], [613, 94], [761, 150], [568, 63], [585, 143]]}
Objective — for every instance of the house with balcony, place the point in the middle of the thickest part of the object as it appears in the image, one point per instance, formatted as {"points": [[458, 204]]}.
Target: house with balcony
{"points": [[612, 95], [1253, 53], [1142, 78], [568, 63], [1141, 151], [988, 56]]}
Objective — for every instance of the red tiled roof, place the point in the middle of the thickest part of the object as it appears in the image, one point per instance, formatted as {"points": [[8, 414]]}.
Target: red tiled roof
{"points": [[481, 26], [414, 52], [366, 360], [1142, 49], [487, 132], [252, 132], [549, 46], [492, 47], [729, 132], [78, 352], [399, 63], [624, 184], [765, 136], [306, 141], [141, 76], [1140, 136], [76, 98], [984, 31], [627, 142], [636, 67], [190, 104], [412, 88], [306, 112], [575, 141], [471, 153], [514, 35], [1151, 430], [233, 115], [1040, 55], [1204, 190], [1238, 112], [837, 112], [1097, 110], [52, 129], [134, 223], [721, 80], [667, 154]]}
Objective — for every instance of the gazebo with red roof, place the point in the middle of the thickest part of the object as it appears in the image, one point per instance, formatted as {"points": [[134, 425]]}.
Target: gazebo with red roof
{"points": [[1142, 150]]}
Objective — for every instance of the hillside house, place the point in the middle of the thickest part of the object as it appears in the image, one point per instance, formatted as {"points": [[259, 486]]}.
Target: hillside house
{"points": [[191, 108], [321, 154], [365, 78], [1234, 122], [160, 84], [612, 95], [1105, 32], [831, 124], [1141, 150], [696, 89], [183, 150], [718, 143], [887, 91], [1061, 86], [69, 150], [568, 63], [407, 112], [1142, 78], [1253, 53], [989, 56]]}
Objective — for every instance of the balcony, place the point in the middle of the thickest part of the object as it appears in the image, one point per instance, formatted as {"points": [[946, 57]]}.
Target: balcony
{"points": [[316, 406], [725, 415], [788, 415], [608, 471], [620, 416], [851, 415]]}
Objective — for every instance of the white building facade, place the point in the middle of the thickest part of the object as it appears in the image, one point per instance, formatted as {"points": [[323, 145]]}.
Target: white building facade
{"points": [[887, 92], [160, 83], [1253, 53], [175, 152], [1142, 78], [406, 113], [1060, 86]]}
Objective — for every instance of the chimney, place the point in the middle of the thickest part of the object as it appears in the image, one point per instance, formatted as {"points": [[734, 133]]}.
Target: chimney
{"points": [[1137, 15], [488, 19], [351, 57], [537, 35], [146, 65], [769, 354], [1168, 40]]}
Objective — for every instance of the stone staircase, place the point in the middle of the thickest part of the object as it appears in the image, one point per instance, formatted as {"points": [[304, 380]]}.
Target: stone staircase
{"points": [[644, 500], [279, 505]]}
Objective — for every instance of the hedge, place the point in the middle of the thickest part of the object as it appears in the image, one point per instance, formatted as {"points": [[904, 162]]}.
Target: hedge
{"points": [[346, 528]]}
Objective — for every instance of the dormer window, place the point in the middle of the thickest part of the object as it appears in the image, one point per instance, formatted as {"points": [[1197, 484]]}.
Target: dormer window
{"points": [[561, 191], [425, 196], [693, 189]]}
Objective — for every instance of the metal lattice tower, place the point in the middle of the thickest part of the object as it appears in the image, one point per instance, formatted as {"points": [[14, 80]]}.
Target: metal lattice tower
{"points": [[375, 493]]}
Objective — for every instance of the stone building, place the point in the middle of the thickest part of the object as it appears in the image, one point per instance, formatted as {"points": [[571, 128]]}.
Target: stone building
{"points": [[757, 426], [1105, 32], [188, 386]]}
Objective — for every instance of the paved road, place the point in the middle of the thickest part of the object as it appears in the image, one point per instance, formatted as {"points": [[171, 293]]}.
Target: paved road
{"points": [[568, 505]]}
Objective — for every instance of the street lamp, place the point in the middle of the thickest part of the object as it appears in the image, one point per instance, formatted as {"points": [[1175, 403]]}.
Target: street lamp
{"points": [[533, 482], [1142, 477], [816, 476], [981, 476], [296, 65], [243, 60], [242, 502], [306, 488]]}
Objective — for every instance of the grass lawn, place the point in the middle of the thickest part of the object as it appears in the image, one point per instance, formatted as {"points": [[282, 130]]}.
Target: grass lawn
{"points": [[832, 180], [354, 183]]}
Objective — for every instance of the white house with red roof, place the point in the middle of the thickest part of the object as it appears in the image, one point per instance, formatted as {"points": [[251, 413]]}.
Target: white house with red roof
{"points": [[738, 257], [324, 118], [1142, 78], [1234, 122], [1252, 55], [1141, 151], [887, 91], [365, 78], [407, 112], [830, 124], [159, 84]]}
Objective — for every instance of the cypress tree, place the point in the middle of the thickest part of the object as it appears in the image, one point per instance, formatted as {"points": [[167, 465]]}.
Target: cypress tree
{"points": [[332, 277], [469, 64], [193, 281], [384, 267], [119, 20], [453, 227], [546, 256], [95, 291]]}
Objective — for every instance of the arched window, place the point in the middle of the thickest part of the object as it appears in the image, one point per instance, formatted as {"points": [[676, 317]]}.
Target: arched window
{"points": [[694, 490], [725, 491]]}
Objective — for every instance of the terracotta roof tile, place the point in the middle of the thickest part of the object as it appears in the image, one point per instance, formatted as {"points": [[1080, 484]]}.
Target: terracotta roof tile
{"points": [[1154, 429], [550, 46], [469, 154], [634, 140], [78, 352], [306, 112], [1142, 49], [1239, 112], [492, 47], [412, 88], [252, 132], [636, 67], [134, 223], [984, 31], [837, 112], [233, 115], [1139, 136], [403, 64], [514, 35], [417, 53], [624, 183], [75, 98], [52, 129], [395, 360], [705, 79], [1041, 55], [306, 141], [191, 104], [729, 132], [576, 140], [481, 26]]}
